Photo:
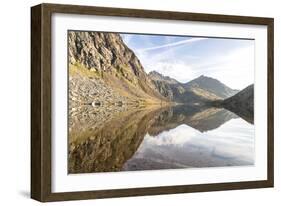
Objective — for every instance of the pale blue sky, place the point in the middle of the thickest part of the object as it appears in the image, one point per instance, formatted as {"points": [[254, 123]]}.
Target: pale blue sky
{"points": [[184, 58]]}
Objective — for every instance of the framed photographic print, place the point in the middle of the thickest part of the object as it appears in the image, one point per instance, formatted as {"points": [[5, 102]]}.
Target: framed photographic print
{"points": [[132, 102]]}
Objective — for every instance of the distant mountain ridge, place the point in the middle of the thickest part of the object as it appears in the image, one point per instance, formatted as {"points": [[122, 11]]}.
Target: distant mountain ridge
{"points": [[212, 85], [201, 89]]}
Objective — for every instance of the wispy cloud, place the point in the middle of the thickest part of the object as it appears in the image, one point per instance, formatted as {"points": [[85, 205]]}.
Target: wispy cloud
{"points": [[235, 68], [178, 43], [230, 61]]}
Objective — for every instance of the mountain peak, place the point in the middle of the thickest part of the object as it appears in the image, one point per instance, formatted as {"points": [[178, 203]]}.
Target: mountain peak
{"points": [[156, 76], [212, 85], [206, 77], [155, 73]]}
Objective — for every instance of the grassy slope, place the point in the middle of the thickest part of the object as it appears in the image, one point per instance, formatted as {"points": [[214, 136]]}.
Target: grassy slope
{"points": [[121, 80]]}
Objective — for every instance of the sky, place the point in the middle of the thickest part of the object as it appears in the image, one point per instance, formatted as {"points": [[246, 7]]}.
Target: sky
{"points": [[184, 58]]}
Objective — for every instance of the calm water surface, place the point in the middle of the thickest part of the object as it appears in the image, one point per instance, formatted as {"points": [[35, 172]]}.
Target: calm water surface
{"points": [[231, 144], [161, 138]]}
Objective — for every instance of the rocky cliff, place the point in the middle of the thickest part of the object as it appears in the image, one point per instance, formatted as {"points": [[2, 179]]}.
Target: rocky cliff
{"points": [[104, 59]]}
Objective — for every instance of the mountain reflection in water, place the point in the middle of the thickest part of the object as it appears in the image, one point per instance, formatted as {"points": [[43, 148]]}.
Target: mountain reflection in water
{"points": [[154, 138]]}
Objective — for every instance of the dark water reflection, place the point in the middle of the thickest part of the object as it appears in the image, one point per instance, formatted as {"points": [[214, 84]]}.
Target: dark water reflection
{"points": [[161, 138]]}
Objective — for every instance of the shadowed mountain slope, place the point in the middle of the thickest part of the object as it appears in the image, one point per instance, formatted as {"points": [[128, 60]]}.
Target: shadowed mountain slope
{"points": [[242, 103]]}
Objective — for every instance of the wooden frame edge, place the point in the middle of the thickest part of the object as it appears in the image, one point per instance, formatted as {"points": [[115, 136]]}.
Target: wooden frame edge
{"points": [[41, 101], [36, 58], [270, 101], [101, 194]]}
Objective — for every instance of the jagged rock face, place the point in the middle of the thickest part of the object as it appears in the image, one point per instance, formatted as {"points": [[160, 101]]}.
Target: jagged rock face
{"points": [[107, 55], [101, 51], [164, 89]]}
